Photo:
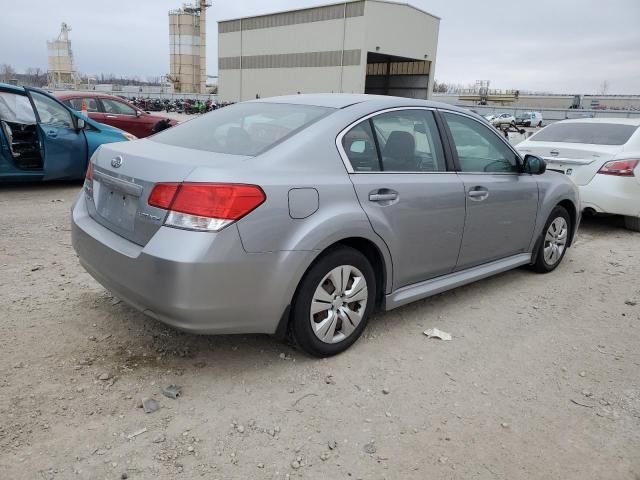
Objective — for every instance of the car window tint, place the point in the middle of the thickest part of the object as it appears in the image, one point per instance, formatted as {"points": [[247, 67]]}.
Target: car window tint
{"points": [[118, 108], [590, 133], [51, 112], [409, 141], [16, 108], [242, 129], [479, 149], [360, 147], [76, 104]]}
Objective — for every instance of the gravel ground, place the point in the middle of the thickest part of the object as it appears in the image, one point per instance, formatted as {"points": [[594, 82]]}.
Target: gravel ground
{"points": [[540, 380]]}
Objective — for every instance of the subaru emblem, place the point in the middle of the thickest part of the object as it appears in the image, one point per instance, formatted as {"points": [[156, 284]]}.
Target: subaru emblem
{"points": [[117, 162]]}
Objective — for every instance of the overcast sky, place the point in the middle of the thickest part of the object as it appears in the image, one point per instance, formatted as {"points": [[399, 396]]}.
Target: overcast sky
{"points": [[563, 46]]}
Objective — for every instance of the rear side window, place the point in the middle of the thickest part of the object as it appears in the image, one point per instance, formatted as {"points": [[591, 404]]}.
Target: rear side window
{"points": [[76, 104], [242, 129], [113, 106], [397, 141], [590, 133]]}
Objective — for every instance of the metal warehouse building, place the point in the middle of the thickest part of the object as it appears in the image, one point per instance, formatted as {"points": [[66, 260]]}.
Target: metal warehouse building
{"points": [[370, 46]]}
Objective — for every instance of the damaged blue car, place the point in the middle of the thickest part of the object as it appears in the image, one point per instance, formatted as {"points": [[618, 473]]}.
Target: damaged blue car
{"points": [[41, 139]]}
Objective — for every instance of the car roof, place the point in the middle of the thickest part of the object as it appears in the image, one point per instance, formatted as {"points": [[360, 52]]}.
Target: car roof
{"points": [[343, 100], [620, 121], [14, 88], [64, 94]]}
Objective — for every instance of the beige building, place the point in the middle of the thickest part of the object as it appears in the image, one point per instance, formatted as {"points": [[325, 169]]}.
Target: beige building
{"points": [[367, 46]]}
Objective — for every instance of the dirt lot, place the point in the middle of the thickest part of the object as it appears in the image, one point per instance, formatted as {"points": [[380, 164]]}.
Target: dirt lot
{"points": [[540, 380]]}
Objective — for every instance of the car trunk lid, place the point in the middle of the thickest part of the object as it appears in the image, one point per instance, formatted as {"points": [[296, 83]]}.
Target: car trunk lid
{"points": [[579, 162], [124, 175]]}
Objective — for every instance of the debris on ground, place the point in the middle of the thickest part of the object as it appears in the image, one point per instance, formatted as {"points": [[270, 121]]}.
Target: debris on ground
{"points": [[370, 448], [149, 405], [439, 334], [631, 303], [332, 444], [104, 376], [172, 391], [386, 391], [136, 433], [581, 404]]}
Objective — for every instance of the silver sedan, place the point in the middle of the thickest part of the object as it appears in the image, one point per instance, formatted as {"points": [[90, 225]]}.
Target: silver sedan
{"points": [[299, 216]]}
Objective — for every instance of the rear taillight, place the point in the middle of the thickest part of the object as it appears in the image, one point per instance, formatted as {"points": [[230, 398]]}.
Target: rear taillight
{"points": [[619, 168], [205, 206], [88, 180], [89, 175]]}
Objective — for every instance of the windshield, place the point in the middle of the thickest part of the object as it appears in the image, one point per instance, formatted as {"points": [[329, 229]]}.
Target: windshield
{"points": [[590, 133], [524, 115], [242, 129]]}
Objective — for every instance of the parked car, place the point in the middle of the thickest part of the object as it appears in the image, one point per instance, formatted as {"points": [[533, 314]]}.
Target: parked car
{"points": [[503, 119], [321, 210], [529, 119], [42, 139], [116, 111], [602, 156]]}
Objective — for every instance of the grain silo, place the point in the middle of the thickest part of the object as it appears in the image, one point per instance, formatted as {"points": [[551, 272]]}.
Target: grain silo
{"points": [[60, 72], [188, 47]]}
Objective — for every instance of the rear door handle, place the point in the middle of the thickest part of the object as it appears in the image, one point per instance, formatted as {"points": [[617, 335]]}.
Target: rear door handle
{"points": [[478, 193], [383, 197], [112, 116], [52, 133]]}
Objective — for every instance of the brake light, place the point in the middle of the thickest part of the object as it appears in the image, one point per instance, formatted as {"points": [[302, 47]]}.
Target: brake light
{"points": [[620, 168], [89, 175], [205, 206]]}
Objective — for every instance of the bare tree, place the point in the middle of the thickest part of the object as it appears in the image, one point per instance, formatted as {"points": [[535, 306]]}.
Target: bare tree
{"points": [[7, 72]]}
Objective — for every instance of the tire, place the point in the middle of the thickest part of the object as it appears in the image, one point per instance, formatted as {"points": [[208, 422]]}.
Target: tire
{"points": [[553, 246], [540, 124], [632, 223], [317, 289]]}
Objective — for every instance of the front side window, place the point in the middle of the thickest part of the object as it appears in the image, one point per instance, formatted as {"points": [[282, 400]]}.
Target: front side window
{"points": [[76, 104], [51, 112], [479, 149], [118, 108], [16, 108], [242, 129], [405, 141]]}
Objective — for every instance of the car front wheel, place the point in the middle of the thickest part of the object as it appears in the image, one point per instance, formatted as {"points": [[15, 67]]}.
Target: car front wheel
{"points": [[333, 302], [555, 238]]}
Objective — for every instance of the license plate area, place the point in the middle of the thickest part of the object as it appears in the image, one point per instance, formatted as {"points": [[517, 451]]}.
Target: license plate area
{"points": [[117, 207]]}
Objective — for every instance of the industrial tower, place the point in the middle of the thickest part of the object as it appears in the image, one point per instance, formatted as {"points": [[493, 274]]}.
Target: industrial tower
{"points": [[60, 73], [188, 47]]}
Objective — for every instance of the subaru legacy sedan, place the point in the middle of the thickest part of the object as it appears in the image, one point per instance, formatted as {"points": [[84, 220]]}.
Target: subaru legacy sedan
{"points": [[299, 216]]}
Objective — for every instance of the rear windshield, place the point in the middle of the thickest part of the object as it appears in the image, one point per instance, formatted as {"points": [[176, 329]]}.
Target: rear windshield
{"points": [[592, 133], [242, 129]]}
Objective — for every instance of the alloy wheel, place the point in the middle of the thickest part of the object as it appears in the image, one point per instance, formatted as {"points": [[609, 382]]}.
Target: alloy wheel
{"points": [[338, 304], [555, 240]]}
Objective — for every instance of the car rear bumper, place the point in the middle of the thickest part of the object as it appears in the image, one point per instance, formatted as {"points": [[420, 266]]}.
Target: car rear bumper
{"points": [[612, 194], [195, 281]]}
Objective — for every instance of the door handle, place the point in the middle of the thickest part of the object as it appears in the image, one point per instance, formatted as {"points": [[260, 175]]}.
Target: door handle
{"points": [[52, 133], [111, 116], [383, 197], [478, 193]]}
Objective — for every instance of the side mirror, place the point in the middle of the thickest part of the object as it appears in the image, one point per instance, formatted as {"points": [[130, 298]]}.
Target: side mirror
{"points": [[534, 165], [138, 113], [80, 124]]}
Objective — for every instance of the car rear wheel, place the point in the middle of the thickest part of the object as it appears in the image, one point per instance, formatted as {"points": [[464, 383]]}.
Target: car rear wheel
{"points": [[632, 223], [540, 124], [555, 238], [333, 302]]}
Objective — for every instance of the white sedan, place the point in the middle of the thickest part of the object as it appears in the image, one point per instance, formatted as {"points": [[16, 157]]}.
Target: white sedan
{"points": [[602, 156], [503, 119]]}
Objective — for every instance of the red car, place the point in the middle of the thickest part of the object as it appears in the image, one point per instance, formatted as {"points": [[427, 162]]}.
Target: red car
{"points": [[114, 111]]}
